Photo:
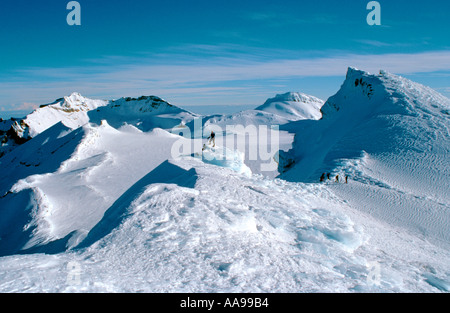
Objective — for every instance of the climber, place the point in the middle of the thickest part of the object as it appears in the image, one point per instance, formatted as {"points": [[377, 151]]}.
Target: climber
{"points": [[212, 138]]}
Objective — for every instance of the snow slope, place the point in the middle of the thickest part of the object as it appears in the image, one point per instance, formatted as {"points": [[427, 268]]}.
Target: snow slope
{"points": [[108, 207], [211, 229], [73, 177], [392, 137], [294, 106]]}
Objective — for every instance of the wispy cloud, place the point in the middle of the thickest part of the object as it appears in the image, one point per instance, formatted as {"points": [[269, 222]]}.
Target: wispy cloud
{"points": [[230, 71], [283, 18], [445, 90], [374, 43], [25, 106]]}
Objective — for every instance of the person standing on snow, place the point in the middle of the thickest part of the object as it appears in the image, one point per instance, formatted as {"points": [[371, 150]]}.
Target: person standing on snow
{"points": [[212, 138]]}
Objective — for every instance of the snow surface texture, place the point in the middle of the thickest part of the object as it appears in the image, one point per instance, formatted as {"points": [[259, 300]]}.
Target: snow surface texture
{"points": [[106, 206], [284, 237]]}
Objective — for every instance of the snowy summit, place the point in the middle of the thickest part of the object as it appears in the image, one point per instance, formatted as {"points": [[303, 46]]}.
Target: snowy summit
{"points": [[294, 105]]}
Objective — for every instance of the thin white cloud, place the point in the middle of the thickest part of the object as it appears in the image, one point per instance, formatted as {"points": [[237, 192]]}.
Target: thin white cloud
{"points": [[213, 73], [238, 69], [25, 106]]}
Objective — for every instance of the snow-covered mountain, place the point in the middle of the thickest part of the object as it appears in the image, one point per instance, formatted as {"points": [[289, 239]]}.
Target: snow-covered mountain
{"points": [[392, 137], [373, 113], [108, 207], [281, 109], [145, 113], [71, 111], [294, 106], [76, 130]]}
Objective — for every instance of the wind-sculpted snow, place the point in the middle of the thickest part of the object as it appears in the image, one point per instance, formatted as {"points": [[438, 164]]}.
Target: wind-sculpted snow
{"points": [[224, 157], [44, 154], [225, 232], [70, 180], [165, 173]]}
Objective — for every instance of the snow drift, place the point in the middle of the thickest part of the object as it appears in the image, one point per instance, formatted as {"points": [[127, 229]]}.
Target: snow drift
{"points": [[67, 179]]}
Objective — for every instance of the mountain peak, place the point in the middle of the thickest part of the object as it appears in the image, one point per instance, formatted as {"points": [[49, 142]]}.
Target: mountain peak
{"points": [[353, 71], [75, 102], [75, 97], [147, 105], [294, 106], [293, 97], [70, 110], [363, 92]]}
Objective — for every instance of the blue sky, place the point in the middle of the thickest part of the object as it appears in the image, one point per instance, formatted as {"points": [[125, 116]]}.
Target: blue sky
{"points": [[216, 52]]}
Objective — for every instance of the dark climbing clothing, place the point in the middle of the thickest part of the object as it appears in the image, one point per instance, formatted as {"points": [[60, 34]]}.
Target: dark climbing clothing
{"points": [[322, 178]]}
